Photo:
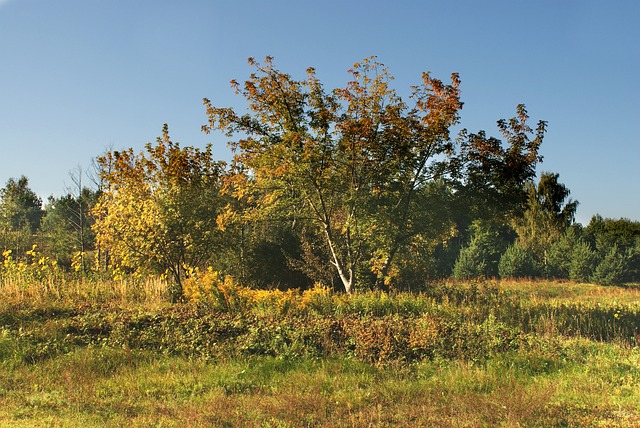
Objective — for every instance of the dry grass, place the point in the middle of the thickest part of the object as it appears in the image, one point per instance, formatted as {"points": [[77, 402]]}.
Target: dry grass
{"points": [[116, 388], [553, 381]]}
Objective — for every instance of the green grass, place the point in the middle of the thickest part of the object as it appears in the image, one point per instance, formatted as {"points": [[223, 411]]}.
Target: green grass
{"points": [[588, 384], [467, 355]]}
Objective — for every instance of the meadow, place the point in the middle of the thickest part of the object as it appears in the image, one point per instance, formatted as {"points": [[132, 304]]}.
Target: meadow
{"points": [[462, 354]]}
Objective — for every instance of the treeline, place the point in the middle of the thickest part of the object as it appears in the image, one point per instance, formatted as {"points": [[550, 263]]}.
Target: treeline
{"points": [[351, 188]]}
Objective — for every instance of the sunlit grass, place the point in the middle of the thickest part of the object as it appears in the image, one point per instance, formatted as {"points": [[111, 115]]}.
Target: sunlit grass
{"points": [[516, 353], [586, 385], [565, 291]]}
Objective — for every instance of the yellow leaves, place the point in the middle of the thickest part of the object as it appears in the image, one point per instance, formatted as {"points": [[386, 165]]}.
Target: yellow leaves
{"points": [[223, 293], [379, 266], [159, 207], [225, 218], [77, 261], [33, 267], [315, 295], [214, 288], [7, 262], [378, 261]]}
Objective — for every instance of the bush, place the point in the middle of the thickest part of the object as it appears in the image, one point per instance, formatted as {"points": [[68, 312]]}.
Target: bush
{"points": [[517, 262], [613, 269], [557, 262], [470, 263], [482, 255], [583, 260]]}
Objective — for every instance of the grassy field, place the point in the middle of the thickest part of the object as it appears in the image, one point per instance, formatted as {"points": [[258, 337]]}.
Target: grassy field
{"points": [[458, 354]]}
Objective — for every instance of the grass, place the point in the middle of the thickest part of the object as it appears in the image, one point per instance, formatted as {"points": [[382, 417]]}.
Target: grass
{"points": [[596, 384], [459, 355], [568, 292]]}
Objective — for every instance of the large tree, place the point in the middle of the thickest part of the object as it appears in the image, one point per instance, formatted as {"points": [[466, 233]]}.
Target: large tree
{"points": [[491, 176], [158, 209], [357, 164]]}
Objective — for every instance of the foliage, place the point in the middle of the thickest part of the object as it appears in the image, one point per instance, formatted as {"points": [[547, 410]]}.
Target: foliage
{"points": [[547, 216], [490, 178], [20, 216], [21, 207], [470, 263], [624, 236], [482, 255], [66, 229], [557, 261], [353, 163], [466, 322], [273, 257], [605, 233], [517, 262], [32, 268], [583, 262], [613, 269], [352, 188], [157, 213]]}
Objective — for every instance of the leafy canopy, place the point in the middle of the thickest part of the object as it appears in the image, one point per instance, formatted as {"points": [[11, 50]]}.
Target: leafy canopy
{"points": [[356, 163], [158, 209]]}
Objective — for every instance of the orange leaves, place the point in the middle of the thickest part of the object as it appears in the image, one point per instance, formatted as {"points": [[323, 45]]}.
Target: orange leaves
{"points": [[226, 217], [346, 160], [158, 209]]}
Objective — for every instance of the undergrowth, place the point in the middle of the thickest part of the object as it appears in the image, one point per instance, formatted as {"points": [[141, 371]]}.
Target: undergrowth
{"points": [[465, 354]]}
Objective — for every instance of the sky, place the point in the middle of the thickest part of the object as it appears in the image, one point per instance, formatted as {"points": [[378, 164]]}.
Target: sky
{"points": [[79, 77]]}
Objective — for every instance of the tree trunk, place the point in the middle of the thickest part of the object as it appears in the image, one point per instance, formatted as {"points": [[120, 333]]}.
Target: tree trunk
{"points": [[347, 281]]}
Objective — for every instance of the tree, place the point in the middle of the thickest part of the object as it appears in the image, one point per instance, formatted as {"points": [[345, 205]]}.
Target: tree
{"points": [[157, 211], [491, 176], [517, 262], [482, 255], [613, 269], [557, 261], [470, 262], [605, 233], [547, 217], [353, 163], [583, 262], [20, 215], [617, 239], [66, 228]]}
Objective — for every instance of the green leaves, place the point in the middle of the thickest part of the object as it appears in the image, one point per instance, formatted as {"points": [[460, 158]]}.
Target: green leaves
{"points": [[349, 163], [159, 208]]}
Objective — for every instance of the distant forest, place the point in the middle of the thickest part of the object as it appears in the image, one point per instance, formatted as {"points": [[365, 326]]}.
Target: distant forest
{"points": [[353, 188]]}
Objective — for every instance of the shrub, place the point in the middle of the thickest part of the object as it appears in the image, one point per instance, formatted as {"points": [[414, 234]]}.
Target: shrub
{"points": [[219, 292], [470, 263], [557, 262], [583, 260], [516, 262], [613, 269]]}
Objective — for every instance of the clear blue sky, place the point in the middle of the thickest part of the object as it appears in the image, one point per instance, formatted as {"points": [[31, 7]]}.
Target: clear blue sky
{"points": [[80, 76]]}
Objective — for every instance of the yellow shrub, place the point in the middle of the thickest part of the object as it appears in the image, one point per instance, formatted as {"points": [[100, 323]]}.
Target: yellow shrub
{"points": [[222, 292]]}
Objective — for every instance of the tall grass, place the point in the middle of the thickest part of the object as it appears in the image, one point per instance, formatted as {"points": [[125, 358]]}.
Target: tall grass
{"points": [[591, 385], [65, 288], [111, 353]]}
